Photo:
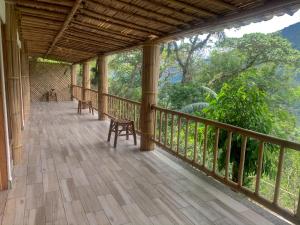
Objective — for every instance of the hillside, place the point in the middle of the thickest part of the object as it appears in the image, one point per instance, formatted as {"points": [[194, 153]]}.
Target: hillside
{"points": [[292, 33]]}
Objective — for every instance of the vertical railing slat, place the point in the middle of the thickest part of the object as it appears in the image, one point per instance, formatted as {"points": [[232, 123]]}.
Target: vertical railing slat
{"points": [[172, 130], [166, 129], [259, 166], [204, 145], [195, 158], [160, 126], [186, 137], [216, 148], [228, 151], [155, 123], [178, 134], [242, 161], [278, 177]]}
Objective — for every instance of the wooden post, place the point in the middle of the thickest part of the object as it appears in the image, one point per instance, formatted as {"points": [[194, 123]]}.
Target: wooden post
{"points": [[102, 87], [73, 79], [85, 81], [13, 76], [25, 81], [4, 146], [150, 74]]}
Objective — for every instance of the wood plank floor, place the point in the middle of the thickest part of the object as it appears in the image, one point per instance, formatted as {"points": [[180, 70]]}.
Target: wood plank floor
{"points": [[71, 175]]}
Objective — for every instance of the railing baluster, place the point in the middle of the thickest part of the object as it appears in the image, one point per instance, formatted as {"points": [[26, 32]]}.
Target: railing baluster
{"points": [[242, 161], [216, 148], [259, 166], [155, 123], [160, 126], [178, 134], [186, 138], [278, 177], [166, 129], [172, 130], [195, 158], [204, 145], [228, 151]]}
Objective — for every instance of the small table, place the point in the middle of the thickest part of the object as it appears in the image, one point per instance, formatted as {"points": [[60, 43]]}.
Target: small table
{"points": [[121, 125], [83, 103]]}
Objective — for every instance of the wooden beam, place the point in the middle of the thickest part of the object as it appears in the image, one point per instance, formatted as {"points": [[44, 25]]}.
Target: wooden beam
{"points": [[191, 8], [85, 81], [73, 79], [102, 86], [68, 3], [65, 25], [41, 13]]}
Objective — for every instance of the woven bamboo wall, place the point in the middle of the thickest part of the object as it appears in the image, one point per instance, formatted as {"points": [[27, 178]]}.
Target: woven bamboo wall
{"points": [[44, 76]]}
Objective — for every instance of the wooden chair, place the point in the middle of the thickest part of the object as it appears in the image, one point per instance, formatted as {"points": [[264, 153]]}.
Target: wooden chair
{"points": [[82, 104], [51, 95], [119, 126]]}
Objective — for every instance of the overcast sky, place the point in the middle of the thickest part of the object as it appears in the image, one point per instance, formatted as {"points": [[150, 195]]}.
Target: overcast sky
{"points": [[270, 26]]}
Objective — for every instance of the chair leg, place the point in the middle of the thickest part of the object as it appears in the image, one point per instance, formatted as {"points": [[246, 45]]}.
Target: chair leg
{"points": [[133, 132], [127, 132], [116, 134], [110, 130]]}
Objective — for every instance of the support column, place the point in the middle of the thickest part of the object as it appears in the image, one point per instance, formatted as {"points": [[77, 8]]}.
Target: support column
{"points": [[73, 79], [102, 86], [85, 81], [25, 81], [150, 74], [13, 76]]}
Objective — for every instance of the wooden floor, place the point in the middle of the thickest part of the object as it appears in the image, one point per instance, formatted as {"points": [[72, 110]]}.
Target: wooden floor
{"points": [[71, 175]]}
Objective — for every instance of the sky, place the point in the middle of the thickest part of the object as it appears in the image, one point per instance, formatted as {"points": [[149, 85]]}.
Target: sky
{"points": [[270, 26]]}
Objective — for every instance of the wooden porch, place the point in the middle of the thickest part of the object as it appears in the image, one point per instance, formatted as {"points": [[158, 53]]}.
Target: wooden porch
{"points": [[70, 174]]}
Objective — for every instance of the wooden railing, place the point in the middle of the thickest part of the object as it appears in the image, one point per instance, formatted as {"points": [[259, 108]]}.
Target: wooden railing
{"points": [[201, 142], [93, 96], [124, 108], [77, 92]]}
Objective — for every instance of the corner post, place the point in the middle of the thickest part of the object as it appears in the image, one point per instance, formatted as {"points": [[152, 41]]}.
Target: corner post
{"points": [[13, 76], [73, 80], [85, 81], [150, 74], [102, 86]]}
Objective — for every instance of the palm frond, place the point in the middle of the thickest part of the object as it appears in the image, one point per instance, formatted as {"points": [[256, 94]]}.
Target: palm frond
{"points": [[198, 106]]}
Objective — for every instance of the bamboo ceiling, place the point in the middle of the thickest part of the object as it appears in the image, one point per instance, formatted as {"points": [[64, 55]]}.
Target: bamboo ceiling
{"points": [[75, 30]]}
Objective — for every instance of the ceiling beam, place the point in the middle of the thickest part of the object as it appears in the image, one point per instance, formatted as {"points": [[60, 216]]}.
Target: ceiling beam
{"points": [[223, 4], [44, 6], [65, 25]]}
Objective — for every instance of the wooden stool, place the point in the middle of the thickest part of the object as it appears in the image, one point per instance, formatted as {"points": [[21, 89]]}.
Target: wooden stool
{"points": [[120, 125], [82, 103]]}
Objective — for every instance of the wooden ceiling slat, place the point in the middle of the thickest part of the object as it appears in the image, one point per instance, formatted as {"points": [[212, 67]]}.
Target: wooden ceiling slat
{"points": [[95, 39], [191, 8], [223, 4], [118, 22], [95, 29], [117, 33], [68, 3], [173, 11], [126, 14], [174, 20], [42, 13], [44, 6]]}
